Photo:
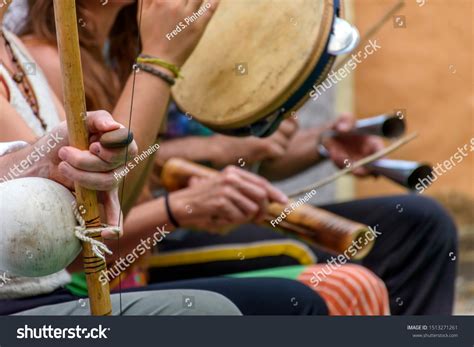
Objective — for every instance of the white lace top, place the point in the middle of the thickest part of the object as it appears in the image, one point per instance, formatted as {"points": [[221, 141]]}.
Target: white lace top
{"points": [[21, 287]]}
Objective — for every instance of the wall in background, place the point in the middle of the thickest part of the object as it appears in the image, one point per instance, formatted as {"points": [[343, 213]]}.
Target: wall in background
{"points": [[425, 66]]}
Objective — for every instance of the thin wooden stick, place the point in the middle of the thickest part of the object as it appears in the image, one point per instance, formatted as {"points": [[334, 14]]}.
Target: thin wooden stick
{"points": [[364, 161], [75, 107]]}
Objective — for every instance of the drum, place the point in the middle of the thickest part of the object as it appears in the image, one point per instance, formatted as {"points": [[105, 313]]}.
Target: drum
{"points": [[258, 61]]}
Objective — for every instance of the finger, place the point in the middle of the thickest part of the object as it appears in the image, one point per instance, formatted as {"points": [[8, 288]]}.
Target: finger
{"points": [[85, 160], [373, 144], [361, 172], [113, 215], [248, 206], [337, 152], [90, 180], [210, 10], [101, 122], [288, 127], [195, 181], [251, 190], [274, 150], [194, 5], [344, 123], [280, 139], [113, 156], [274, 194], [231, 214]]}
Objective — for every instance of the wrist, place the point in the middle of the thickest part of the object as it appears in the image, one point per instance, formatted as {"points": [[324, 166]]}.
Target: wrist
{"points": [[171, 209], [322, 151], [219, 152], [162, 54], [41, 168], [159, 68]]}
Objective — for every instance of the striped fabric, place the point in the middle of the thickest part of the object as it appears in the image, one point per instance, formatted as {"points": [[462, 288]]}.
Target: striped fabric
{"points": [[349, 290]]}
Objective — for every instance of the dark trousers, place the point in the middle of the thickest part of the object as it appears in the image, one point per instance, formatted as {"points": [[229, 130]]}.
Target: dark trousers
{"points": [[258, 296], [415, 255]]}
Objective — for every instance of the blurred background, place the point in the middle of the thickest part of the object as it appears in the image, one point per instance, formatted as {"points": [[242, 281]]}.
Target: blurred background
{"points": [[425, 67]]}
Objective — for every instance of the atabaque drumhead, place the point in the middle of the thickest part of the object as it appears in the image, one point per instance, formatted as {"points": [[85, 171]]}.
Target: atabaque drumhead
{"points": [[256, 62]]}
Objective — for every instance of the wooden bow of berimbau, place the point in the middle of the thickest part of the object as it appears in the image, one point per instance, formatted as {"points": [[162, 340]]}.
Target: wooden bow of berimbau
{"points": [[75, 107]]}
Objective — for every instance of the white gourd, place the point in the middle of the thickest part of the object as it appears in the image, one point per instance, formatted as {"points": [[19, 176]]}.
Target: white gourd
{"points": [[36, 227]]}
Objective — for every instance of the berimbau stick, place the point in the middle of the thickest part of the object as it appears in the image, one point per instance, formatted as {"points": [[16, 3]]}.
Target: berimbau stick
{"points": [[75, 107]]}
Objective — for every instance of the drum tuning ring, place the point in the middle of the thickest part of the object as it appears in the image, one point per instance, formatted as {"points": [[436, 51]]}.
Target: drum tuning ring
{"points": [[344, 38]]}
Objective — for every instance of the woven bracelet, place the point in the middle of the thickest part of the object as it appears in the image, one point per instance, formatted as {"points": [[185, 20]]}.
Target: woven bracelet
{"points": [[148, 59], [155, 72]]}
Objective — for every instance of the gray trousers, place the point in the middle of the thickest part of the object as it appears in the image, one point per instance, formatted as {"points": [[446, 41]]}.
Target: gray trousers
{"points": [[183, 302]]}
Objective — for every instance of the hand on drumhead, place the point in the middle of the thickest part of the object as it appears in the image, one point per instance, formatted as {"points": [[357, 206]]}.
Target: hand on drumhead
{"points": [[164, 31], [218, 203], [93, 168], [347, 147]]}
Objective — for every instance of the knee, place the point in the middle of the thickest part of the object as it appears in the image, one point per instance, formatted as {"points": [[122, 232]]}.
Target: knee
{"points": [[171, 302], [354, 290], [305, 301], [372, 295], [213, 304]]}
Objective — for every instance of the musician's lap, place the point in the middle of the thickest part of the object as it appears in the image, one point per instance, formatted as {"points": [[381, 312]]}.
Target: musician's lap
{"points": [[411, 254], [251, 296], [149, 303]]}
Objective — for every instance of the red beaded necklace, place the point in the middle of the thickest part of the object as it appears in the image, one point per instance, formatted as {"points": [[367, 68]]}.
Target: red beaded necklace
{"points": [[22, 81]]}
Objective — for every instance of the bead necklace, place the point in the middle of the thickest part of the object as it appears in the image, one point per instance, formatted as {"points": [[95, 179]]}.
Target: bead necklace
{"points": [[22, 81]]}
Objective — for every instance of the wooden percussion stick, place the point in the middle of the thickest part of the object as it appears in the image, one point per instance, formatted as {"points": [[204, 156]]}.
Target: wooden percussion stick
{"points": [[364, 161], [75, 107]]}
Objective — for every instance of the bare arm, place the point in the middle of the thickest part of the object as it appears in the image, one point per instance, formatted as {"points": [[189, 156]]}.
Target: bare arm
{"points": [[222, 151], [219, 150], [141, 223], [282, 155], [150, 94], [150, 102]]}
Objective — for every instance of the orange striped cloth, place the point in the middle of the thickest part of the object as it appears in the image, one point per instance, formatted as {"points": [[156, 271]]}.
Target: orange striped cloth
{"points": [[349, 290]]}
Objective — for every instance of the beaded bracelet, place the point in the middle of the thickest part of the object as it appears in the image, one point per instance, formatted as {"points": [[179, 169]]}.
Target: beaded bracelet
{"points": [[167, 78], [148, 59]]}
